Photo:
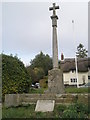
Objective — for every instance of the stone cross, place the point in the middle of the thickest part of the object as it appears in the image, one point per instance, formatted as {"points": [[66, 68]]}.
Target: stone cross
{"points": [[55, 76], [54, 18], [53, 8]]}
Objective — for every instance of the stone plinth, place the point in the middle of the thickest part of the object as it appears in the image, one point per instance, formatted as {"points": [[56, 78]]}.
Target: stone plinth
{"points": [[55, 81]]}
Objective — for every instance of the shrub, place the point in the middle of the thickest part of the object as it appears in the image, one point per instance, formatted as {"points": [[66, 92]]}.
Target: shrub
{"points": [[61, 108], [15, 78], [77, 110], [70, 114], [81, 107]]}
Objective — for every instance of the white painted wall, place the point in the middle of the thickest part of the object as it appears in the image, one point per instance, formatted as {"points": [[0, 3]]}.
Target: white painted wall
{"points": [[71, 75]]}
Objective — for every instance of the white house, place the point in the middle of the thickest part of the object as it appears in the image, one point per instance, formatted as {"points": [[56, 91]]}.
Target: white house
{"points": [[69, 71]]}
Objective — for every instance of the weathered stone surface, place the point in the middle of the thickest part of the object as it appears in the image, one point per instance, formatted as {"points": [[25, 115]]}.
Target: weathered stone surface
{"points": [[45, 105], [0, 111], [12, 100], [54, 18], [55, 81], [19, 99]]}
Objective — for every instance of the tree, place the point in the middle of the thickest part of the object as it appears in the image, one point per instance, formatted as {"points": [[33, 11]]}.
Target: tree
{"points": [[36, 74], [42, 61], [81, 51], [39, 73], [39, 67], [15, 78]]}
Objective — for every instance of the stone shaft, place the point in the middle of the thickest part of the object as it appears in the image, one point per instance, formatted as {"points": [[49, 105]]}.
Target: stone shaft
{"points": [[55, 48], [54, 18]]}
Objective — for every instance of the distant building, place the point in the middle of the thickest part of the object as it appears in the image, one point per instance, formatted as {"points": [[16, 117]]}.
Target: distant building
{"points": [[69, 71]]}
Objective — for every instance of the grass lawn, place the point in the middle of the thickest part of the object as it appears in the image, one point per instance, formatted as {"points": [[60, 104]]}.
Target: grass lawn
{"points": [[67, 90], [36, 91], [76, 90], [60, 111]]}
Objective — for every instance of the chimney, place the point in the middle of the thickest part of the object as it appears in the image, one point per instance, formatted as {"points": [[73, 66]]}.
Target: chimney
{"points": [[62, 56]]}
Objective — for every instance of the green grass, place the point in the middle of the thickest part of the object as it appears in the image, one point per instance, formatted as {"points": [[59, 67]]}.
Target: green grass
{"points": [[67, 90], [59, 112], [76, 90], [18, 112], [26, 112], [37, 91]]}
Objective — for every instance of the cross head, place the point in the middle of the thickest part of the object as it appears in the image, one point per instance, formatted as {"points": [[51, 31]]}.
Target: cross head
{"points": [[54, 8]]}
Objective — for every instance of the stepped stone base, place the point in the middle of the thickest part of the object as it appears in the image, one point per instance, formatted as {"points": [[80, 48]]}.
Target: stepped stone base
{"points": [[55, 81], [25, 99]]}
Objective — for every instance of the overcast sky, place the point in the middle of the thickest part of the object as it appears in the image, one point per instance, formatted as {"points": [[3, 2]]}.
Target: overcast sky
{"points": [[27, 30]]}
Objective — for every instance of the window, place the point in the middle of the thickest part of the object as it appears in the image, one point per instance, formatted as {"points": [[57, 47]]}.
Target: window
{"points": [[73, 80], [88, 77]]}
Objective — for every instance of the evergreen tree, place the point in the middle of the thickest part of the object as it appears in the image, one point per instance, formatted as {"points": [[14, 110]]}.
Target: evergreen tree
{"points": [[81, 51]]}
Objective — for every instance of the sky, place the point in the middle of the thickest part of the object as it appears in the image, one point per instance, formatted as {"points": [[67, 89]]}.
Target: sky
{"points": [[27, 28]]}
